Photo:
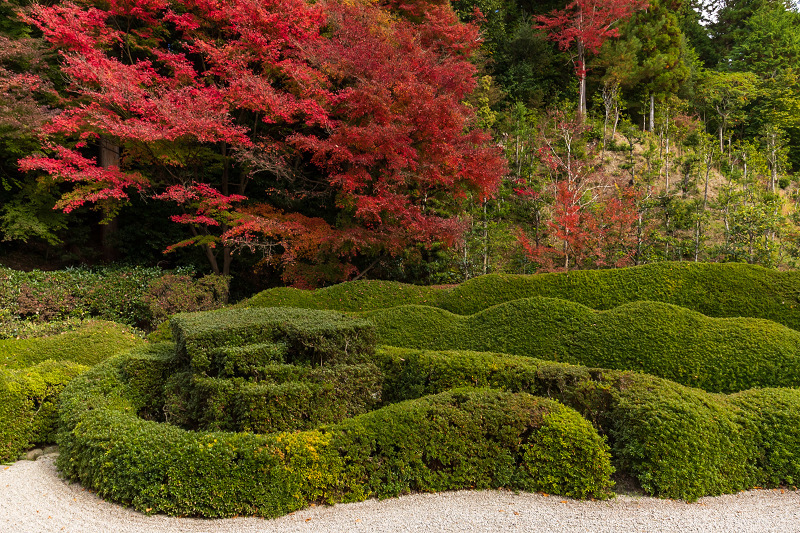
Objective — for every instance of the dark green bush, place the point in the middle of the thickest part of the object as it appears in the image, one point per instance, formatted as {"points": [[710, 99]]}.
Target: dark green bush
{"points": [[713, 289], [91, 343], [676, 441], [249, 360], [311, 337], [434, 443], [180, 293], [28, 403], [717, 355], [286, 398]]}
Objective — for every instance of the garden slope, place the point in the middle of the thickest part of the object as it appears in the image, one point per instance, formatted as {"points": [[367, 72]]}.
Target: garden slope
{"points": [[714, 354], [713, 289]]}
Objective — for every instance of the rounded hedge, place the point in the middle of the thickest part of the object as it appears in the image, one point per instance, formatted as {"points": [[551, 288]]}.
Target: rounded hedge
{"points": [[713, 289], [676, 441], [714, 354], [463, 438], [34, 371]]}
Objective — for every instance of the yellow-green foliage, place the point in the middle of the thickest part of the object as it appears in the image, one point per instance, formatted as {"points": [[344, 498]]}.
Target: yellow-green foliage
{"points": [[28, 402], [714, 354], [714, 289], [34, 371], [88, 345], [458, 439]]}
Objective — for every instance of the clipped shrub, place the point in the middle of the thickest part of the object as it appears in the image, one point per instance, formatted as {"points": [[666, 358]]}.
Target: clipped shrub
{"points": [[311, 337], [433, 443], [251, 360], [713, 289], [28, 404], [91, 343], [361, 295], [678, 442], [714, 354]]}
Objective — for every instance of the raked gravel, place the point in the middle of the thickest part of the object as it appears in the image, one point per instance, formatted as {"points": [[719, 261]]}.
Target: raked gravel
{"points": [[33, 499]]}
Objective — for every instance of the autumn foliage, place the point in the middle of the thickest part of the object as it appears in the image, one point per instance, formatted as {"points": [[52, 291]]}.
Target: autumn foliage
{"points": [[351, 113]]}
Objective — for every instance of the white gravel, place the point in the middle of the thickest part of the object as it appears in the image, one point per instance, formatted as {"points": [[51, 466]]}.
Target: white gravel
{"points": [[33, 499]]}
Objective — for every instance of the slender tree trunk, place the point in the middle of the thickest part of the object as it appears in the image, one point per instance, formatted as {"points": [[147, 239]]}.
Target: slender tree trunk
{"points": [[109, 157], [652, 112]]}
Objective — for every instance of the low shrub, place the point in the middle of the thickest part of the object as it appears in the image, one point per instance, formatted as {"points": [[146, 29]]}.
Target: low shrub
{"points": [[141, 297], [714, 354], [91, 343], [433, 443], [311, 337], [28, 403], [713, 289], [362, 295]]}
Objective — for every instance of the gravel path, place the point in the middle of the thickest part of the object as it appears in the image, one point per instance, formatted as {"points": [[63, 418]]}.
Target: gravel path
{"points": [[33, 499]]}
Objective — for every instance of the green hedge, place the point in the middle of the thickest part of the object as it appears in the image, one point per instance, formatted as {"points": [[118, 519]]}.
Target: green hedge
{"points": [[286, 397], [311, 337], [714, 354], [362, 295], [34, 371], [458, 439], [28, 402], [678, 442], [91, 343], [713, 289]]}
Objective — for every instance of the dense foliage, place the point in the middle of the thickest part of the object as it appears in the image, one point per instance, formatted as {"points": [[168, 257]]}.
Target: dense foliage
{"points": [[433, 443], [716, 290], [137, 296], [33, 372]]}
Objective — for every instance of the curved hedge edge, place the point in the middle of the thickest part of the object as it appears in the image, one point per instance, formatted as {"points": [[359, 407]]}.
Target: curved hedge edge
{"points": [[678, 442], [522, 442], [715, 354], [88, 345], [28, 404], [713, 289]]}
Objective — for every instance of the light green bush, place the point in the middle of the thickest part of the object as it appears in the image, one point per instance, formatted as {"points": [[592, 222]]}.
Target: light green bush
{"points": [[714, 354]]}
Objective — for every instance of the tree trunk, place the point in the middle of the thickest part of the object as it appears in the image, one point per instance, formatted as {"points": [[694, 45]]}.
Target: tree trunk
{"points": [[109, 157], [652, 112]]}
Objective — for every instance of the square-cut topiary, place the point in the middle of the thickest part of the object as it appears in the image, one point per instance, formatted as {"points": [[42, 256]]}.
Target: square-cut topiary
{"points": [[311, 337], [287, 397]]}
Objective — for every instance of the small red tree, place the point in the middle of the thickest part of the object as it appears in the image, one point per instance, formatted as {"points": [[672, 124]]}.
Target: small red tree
{"points": [[585, 25], [592, 218]]}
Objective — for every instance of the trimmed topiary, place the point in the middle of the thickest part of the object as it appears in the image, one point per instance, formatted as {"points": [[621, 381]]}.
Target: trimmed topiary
{"points": [[312, 337], [714, 354], [713, 289], [28, 402], [89, 344], [473, 438], [34, 371], [678, 442]]}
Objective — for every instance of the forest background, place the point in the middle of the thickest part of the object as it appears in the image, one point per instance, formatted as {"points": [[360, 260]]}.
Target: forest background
{"points": [[306, 144]]}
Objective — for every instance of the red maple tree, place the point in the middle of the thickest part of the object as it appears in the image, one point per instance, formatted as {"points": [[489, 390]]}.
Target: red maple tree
{"points": [[586, 25], [351, 111]]}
